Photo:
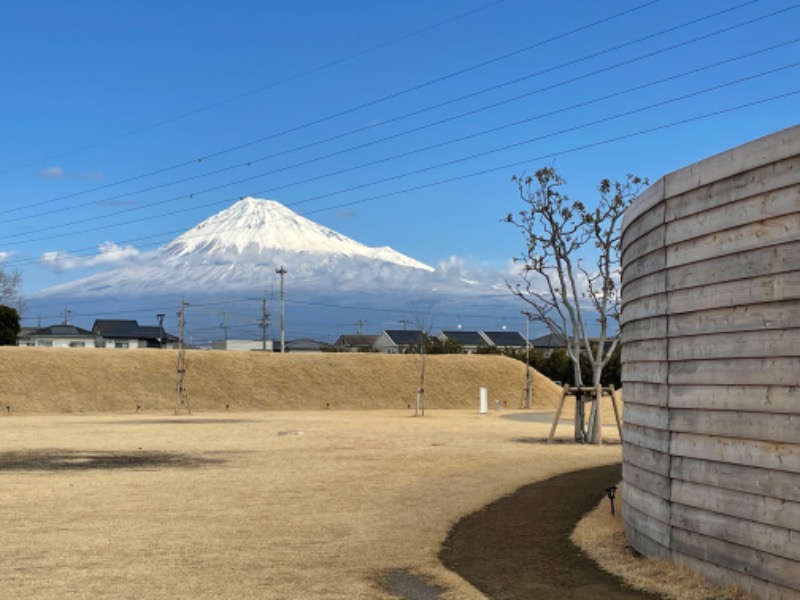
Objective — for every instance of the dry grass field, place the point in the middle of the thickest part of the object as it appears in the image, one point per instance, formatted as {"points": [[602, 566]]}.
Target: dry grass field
{"points": [[290, 504], [273, 498], [94, 380]]}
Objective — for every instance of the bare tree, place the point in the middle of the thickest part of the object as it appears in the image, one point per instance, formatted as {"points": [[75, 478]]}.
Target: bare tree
{"points": [[424, 323], [570, 266], [10, 283]]}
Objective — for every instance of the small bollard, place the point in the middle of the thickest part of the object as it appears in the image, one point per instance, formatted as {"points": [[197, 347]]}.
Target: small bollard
{"points": [[611, 491]]}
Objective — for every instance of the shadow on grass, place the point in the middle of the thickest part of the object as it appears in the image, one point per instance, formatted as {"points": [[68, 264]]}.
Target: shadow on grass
{"points": [[84, 460]]}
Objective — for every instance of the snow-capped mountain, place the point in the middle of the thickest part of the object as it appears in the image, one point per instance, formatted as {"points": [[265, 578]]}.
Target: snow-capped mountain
{"points": [[232, 257], [259, 227]]}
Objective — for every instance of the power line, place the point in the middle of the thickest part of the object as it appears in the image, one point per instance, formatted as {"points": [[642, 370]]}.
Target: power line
{"points": [[374, 102], [426, 169], [601, 71], [517, 163], [262, 88]]}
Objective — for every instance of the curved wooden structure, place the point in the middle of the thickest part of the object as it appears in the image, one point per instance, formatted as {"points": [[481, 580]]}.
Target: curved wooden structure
{"points": [[711, 366]]}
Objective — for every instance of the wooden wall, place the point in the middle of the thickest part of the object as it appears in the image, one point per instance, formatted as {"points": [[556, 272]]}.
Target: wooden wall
{"points": [[711, 366]]}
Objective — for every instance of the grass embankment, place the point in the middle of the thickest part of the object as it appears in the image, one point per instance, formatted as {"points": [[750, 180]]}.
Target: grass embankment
{"points": [[99, 380]]}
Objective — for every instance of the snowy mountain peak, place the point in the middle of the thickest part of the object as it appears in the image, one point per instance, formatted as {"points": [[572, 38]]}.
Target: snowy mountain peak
{"points": [[256, 226]]}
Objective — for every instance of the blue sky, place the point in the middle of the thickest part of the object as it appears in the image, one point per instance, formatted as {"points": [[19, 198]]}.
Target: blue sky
{"points": [[395, 123]]}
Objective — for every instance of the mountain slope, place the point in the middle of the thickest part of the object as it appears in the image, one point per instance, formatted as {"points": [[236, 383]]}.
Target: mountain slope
{"points": [[254, 226]]}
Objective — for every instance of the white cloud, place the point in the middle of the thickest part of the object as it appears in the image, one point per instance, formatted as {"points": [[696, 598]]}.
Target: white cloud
{"points": [[57, 172], [52, 173], [4, 256], [109, 254]]}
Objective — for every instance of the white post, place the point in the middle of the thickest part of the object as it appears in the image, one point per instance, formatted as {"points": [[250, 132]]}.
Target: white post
{"points": [[484, 404]]}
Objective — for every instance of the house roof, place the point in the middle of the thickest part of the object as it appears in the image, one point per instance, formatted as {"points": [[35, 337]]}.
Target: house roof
{"points": [[505, 339], [116, 328], [129, 329], [550, 340], [465, 338], [404, 337], [59, 331], [356, 341]]}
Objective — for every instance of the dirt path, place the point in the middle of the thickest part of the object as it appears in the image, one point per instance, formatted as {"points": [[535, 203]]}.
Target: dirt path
{"points": [[518, 547]]}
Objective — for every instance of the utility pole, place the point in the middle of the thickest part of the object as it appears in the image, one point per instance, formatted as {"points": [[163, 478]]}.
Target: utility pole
{"points": [[224, 326], [181, 393], [160, 317], [528, 400], [360, 323], [404, 323], [264, 319], [282, 271], [67, 313]]}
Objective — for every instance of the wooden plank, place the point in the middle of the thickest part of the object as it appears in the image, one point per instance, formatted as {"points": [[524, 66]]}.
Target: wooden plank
{"points": [[557, 417], [781, 371], [645, 265], [656, 530], [742, 317], [753, 480], [753, 398], [656, 484], [752, 236], [724, 578], [737, 558], [645, 350], [646, 437], [644, 245], [754, 453], [639, 216], [765, 288], [774, 176], [769, 149], [645, 372], [766, 538], [653, 394], [647, 503], [647, 285], [644, 458], [751, 507], [644, 308], [773, 260], [770, 206], [741, 344], [641, 543], [737, 424], [646, 329], [653, 417]]}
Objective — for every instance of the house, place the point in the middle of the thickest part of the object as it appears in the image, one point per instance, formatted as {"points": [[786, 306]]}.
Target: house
{"points": [[355, 343], [304, 345], [505, 340], [469, 341], [57, 336], [547, 343], [127, 333], [398, 341], [242, 345]]}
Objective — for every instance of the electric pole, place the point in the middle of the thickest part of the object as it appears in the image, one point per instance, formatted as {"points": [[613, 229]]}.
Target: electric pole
{"points": [[67, 313], [360, 323], [160, 317], [282, 271], [528, 402], [264, 319], [224, 326], [181, 393]]}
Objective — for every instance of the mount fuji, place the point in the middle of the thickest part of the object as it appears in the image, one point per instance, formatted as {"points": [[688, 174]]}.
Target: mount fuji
{"points": [[235, 254]]}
